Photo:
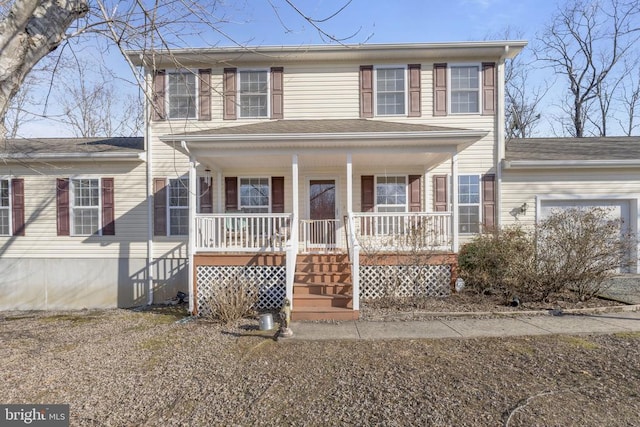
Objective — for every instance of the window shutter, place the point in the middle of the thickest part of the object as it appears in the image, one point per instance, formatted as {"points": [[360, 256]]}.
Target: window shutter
{"points": [[415, 98], [415, 193], [489, 201], [229, 94], [366, 91], [277, 111], [440, 197], [277, 194], [62, 206], [158, 106], [108, 208], [159, 206], [17, 206], [439, 89], [488, 88], [204, 98], [231, 193], [206, 198], [367, 196]]}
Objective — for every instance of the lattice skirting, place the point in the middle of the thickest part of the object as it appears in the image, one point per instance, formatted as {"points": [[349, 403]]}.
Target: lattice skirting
{"points": [[268, 282], [377, 281]]}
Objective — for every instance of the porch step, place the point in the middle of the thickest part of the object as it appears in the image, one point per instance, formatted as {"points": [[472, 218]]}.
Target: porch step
{"points": [[322, 301], [330, 313], [323, 258], [322, 278], [322, 288]]}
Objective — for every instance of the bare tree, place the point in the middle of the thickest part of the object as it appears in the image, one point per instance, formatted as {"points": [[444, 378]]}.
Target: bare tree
{"points": [[630, 102], [522, 100], [585, 43]]}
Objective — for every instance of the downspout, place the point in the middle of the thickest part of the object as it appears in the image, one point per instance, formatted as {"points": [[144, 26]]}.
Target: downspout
{"points": [[499, 132], [148, 147]]}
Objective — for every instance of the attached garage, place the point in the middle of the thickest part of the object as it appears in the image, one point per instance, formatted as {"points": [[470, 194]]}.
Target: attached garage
{"points": [[616, 208]]}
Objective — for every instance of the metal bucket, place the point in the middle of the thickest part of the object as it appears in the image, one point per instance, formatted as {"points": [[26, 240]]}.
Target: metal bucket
{"points": [[265, 321]]}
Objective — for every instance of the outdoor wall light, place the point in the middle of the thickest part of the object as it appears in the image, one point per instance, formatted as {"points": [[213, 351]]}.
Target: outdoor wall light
{"points": [[522, 210], [207, 178]]}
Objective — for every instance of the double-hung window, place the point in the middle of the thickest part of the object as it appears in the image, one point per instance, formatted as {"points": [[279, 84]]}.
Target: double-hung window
{"points": [[254, 195], [85, 206], [465, 89], [469, 204], [253, 93], [391, 193], [182, 95], [390, 91], [178, 203], [5, 208]]}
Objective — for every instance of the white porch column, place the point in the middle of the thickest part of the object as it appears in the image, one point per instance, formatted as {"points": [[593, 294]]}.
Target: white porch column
{"points": [[292, 248], [219, 185], [193, 185], [294, 185], [349, 184], [454, 201]]}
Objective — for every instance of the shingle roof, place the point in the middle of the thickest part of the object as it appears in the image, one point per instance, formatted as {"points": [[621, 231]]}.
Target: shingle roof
{"points": [[71, 146], [601, 148], [319, 127]]}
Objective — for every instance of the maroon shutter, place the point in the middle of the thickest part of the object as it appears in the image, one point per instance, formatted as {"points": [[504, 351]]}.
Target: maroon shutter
{"points": [[366, 91], [277, 194], [367, 196], [277, 111], [159, 78], [108, 208], [206, 199], [17, 206], [439, 89], [415, 98], [488, 88], [415, 193], [489, 201], [62, 206], [231, 193], [204, 98], [440, 198], [159, 206], [229, 94]]}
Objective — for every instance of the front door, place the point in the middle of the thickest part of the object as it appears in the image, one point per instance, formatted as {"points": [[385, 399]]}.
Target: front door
{"points": [[321, 228]]}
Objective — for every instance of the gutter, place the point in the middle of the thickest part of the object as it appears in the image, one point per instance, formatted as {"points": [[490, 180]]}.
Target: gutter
{"points": [[75, 156], [571, 164]]}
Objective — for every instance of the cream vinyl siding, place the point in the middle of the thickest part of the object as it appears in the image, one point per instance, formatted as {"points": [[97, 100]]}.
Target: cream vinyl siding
{"points": [[41, 239]]}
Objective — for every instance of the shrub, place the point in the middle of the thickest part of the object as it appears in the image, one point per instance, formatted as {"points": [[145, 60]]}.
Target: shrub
{"points": [[232, 302]]}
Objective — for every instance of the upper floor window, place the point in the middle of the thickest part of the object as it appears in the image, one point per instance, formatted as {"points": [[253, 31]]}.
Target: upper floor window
{"points": [[253, 93], [391, 194], [182, 95], [178, 203], [5, 208], [469, 203], [254, 195], [390, 91], [465, 89], [85, 206]]}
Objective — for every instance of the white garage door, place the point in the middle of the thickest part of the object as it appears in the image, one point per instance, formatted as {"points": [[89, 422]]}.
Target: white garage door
{"points": [[617, 209]]}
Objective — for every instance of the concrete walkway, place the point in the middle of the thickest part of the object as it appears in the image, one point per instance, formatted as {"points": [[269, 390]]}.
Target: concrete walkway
{"points": [[569, 324]]}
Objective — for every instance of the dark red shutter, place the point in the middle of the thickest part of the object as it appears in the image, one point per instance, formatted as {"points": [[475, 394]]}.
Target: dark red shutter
{"points": [[277, 194], [17, 206], [367, 196], [366, 91], [440, 198], [415, 193], [489, 201], [204, 98], [488, 88], [229, 94], [159, 78], [439, 89], [108, 208], [415, 97], [277, 111], [62, 206], [231, 193], [206, 199], [159, 206]]}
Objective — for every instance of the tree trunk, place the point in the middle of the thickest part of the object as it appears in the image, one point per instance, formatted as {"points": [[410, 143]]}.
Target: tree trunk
{"points": [[31, 30]]}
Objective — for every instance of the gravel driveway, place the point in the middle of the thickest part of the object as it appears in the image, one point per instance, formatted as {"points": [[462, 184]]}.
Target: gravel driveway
{"points": [[124, 368]]}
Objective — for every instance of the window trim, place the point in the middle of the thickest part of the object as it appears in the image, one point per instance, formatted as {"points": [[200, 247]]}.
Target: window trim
{"points": [[405, 69], [479, 204], [169, 207], [196, 97], [9, 207], [72, 205], [240, 178], [375, 191], [478, 65], [239, 73]]}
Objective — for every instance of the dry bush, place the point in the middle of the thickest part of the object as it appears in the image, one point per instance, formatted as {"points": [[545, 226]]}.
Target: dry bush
{"points": [[233, 302]]}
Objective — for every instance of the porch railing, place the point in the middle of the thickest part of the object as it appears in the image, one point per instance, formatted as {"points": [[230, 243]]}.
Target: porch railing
{"points": [[403, 231], [320, 234], [243, 232]]}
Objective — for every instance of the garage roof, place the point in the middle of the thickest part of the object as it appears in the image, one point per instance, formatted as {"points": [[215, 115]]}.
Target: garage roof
{"points": [[573, 149]]}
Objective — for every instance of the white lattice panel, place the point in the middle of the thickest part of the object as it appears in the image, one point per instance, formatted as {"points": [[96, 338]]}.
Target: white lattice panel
{"points": [[377, 281], [268, 282]]}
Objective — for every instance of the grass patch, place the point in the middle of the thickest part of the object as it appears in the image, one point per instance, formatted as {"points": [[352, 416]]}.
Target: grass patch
{"points": [[23, 317], [153, 344], [633, 335], [79, 319], [579, 342]]}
